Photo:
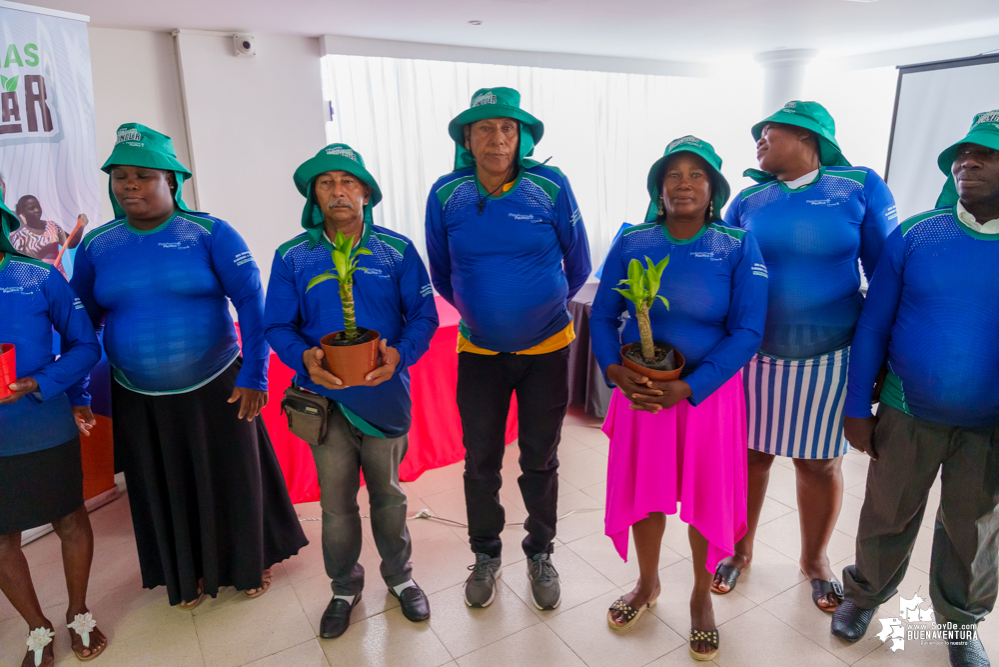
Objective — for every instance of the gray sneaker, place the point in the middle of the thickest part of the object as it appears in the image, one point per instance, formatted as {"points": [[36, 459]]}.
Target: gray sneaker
{"points": [[545, 587], [480, 587]]}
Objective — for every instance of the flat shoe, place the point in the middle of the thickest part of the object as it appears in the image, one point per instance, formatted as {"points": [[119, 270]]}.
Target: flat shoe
{"points": [[709, 636], [850, 622], [728, 574], [84, 625], [336, 618], [414, 603], [968, 654], [822, 588], [196, 601], [266, 579], [631, 615]]}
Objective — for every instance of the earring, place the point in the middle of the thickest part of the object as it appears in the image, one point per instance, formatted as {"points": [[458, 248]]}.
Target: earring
{"points": [[711, 211], [660, 205]]}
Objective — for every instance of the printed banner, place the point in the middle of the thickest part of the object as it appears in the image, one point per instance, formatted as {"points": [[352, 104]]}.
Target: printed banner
{"points": [[49, 172], [48, 148]]}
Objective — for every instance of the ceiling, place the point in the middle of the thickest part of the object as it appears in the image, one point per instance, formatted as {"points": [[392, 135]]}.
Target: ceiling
{"points": [[692, 31]]}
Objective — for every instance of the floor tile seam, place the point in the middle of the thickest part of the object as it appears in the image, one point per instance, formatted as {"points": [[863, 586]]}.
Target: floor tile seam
{"points": [[282, 650], [805, 637]]}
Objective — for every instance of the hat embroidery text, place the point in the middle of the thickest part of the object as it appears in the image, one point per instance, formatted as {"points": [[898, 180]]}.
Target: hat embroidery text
{"points": [[689, 139], [987, 117], [790, 105], [484, 98], [127, 135], [344, 152]]}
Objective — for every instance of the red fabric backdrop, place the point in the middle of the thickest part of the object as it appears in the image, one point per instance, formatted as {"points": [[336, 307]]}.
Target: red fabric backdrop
{"points": [[435, 437]]}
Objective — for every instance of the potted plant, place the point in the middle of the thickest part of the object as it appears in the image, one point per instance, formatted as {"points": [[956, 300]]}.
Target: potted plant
{"points": [[653, 359], [352, 353]]}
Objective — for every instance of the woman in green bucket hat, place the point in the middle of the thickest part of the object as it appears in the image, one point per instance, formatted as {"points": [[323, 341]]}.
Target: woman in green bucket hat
{"points": [[186, 395], [690, 428], [41, 470], [814, 217]]}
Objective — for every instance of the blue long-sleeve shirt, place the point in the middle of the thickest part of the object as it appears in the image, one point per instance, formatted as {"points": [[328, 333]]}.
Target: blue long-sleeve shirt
{"points": [[716, 285], [931, 311], [811, 238], [392, 295], [34, 298], [162, 297], [509, 264]]}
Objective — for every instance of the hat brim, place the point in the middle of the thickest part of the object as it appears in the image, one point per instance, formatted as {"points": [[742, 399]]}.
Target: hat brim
{"points": [[946, 159], [830, 154], [721, 190], [125, 155], [456, 128], [320, 164]]}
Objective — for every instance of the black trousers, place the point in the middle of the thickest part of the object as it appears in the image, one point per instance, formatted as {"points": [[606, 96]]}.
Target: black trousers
{"points": [[485, 384]]}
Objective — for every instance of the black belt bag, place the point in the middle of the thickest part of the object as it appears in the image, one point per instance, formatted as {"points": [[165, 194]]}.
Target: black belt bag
{"points": [[308, 414]]}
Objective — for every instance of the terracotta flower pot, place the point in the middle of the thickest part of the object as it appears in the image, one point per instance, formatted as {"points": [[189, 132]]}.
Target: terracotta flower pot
{"points": [[351, 362], [8, 369], [651, 373]]}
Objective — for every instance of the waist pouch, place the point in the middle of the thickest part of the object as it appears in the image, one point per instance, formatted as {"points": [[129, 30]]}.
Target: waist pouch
{"points": [[308, 414]]}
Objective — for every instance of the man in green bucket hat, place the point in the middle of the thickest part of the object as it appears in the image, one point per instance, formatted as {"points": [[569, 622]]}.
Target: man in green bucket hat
{"points": [[367, 424], [931, 315], [508, 249], [815, 217]]}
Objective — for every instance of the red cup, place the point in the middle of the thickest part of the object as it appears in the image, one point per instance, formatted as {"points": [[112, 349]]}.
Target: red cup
{"points": [[8, 369]]}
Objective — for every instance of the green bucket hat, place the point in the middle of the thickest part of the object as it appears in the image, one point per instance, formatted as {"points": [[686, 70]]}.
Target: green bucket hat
{"points": [[704, 150], [139, 146], [810, 116], [984, 132], [8, 223], [496, 103], [335, 157]]}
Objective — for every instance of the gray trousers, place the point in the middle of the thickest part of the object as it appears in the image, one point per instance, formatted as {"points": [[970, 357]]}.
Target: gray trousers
{"points": [[963, 569], [341, 457]]}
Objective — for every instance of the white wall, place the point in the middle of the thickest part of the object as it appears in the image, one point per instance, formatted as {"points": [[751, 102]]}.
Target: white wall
{"points": [[252, 120], [135, 80]]}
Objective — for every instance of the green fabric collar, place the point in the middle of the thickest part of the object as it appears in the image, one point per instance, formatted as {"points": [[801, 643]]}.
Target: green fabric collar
{"points": [[676, 241]]}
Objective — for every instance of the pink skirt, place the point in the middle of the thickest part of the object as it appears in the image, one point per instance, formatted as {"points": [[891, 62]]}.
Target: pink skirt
{"points": [[691, 456]]}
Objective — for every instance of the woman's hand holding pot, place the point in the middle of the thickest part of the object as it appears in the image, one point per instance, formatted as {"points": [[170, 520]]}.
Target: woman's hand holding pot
{"points": [[390, 360], [20, 388], [632, 384], [313, 362], [670, 393]]}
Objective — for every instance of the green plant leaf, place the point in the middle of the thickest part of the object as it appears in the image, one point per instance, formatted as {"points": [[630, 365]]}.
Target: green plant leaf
{"points": [[652, 275], [635, 273], [362, 251], [321, 278], [663, 299], [627, 294]]}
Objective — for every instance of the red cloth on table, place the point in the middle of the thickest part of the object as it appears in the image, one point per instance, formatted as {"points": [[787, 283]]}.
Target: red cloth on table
{"points": [[434, 438]]}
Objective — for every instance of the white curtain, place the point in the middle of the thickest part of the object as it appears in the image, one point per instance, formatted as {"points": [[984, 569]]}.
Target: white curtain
{"points": [[602, 130]]}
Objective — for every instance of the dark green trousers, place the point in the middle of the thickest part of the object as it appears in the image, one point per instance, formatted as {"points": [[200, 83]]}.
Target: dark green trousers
{"points": [[963, 569]]}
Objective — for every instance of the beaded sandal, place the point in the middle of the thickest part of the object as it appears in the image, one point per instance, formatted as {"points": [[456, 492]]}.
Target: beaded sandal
{"points": [[38, 639], [709, 637], [83, 625], [630, 614]]}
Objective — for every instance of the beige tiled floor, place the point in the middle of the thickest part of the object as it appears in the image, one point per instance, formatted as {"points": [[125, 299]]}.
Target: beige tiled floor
{"points": [[769, 620]]}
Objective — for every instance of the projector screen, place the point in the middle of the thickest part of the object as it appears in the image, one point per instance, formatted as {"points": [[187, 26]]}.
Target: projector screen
{"points": [[934, 106]]}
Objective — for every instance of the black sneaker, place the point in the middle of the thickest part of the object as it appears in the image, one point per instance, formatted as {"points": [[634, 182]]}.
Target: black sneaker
{"points": [[480, 587], [545, 588]]}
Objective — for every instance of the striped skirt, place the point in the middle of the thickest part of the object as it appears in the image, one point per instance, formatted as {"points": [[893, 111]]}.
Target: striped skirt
{"points": [[795, 406]]}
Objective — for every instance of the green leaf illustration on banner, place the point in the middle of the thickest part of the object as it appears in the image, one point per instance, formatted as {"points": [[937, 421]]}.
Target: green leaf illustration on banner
{"points": [[9, 84]]}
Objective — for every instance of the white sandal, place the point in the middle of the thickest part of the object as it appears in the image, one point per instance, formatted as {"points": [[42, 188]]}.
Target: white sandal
{"points": [[38, 639], [83, 625]]}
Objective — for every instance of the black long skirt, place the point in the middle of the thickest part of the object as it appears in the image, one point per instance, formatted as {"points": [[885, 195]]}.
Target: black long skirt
{"points": [[39, 487], [207, 495]]}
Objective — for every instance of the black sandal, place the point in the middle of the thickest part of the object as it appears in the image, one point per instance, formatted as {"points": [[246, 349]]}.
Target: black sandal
{"points": [[710, 637], [630, 614], [729, 575], [822, 588]]}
